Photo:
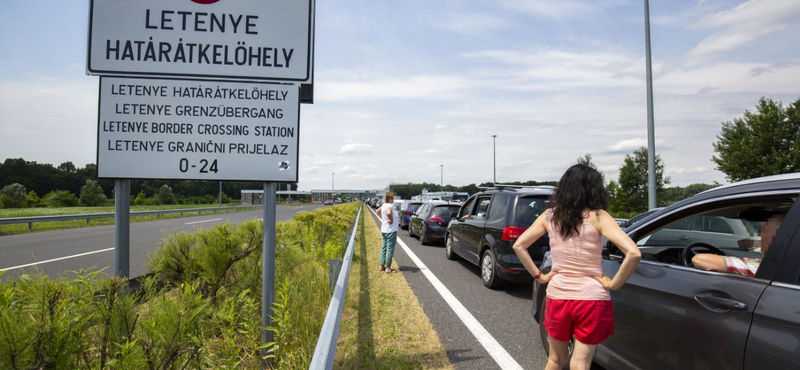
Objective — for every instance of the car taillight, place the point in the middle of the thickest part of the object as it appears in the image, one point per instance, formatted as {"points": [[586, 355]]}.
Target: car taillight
{"points": [[511, 233], [436, 219], [746, 243], [408, 212]]}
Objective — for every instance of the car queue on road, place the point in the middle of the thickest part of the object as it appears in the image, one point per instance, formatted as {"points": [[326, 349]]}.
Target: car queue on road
{"points": [[675, 312]]}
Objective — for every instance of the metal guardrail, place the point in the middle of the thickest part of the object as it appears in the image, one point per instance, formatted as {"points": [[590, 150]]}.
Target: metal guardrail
{"points": [[325, 351], [88, 216]]}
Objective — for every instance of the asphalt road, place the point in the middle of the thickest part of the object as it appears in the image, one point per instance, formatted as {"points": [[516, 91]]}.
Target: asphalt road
{"points": [[504, 313], [54, 252]]}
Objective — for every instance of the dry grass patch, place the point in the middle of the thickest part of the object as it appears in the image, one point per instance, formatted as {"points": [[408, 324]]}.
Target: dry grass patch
{"points": [[383, 325]]}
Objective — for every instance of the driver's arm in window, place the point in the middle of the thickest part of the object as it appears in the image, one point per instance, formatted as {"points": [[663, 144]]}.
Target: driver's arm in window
{"points": [[741, 265]]}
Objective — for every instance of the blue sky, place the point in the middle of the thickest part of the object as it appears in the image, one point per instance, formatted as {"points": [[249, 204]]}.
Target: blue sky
{"points": [[402, 87]]}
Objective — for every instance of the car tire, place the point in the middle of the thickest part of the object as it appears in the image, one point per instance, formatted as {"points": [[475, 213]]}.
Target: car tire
{"points": [[448, 248], [545, 337], [488, 268], [423, 238], [410, 230]]}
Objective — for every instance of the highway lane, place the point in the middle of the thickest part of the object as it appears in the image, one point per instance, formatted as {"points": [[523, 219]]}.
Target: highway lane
{"points": [[504, 313], [94, 245]]}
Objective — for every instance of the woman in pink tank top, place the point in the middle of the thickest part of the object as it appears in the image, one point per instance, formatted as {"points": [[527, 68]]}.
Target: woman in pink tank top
{"points": [[578, 303]]}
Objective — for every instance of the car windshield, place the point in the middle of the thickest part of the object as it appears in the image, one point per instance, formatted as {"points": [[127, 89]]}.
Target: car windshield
{"points": [[529, 208], [445, 211]]}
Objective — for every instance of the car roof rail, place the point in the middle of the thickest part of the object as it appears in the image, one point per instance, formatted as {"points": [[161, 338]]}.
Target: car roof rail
{"points": [[532, 187]]}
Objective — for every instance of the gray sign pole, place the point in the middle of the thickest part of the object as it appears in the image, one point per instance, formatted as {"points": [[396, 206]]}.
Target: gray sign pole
{"points": [[268, 270], [122, 227]]}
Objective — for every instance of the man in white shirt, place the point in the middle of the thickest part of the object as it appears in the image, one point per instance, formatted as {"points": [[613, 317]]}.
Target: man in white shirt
{"points": [[389, 223]]}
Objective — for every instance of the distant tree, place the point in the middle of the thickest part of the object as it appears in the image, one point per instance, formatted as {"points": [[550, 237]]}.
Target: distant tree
{"points": [[587, 161], [67, 167], [164, 195], [139, 199], [14, 196], [61, 198], [33, 199], [633, 180], [92, 194], [761, 143]]}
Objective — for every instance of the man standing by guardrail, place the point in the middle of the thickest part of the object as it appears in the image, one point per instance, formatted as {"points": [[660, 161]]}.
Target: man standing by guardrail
{"points": [[389, 232]]}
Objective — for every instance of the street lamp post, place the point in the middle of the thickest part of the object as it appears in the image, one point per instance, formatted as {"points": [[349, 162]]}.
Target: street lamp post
{"points": [[494, 160], [651, 137], [441, 179]]}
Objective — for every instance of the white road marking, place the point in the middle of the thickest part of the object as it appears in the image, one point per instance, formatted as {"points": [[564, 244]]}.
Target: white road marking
{"points": [[57, 259], [200, 222], [498, 353]]}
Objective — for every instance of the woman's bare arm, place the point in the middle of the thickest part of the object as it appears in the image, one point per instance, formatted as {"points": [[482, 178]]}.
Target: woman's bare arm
{"points": [[609, 228]]}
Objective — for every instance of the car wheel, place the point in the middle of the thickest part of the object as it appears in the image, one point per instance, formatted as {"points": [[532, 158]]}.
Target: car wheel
{"points": [[489, 270], [448, 248], [423, 239], [546, 337], [410, 230]]}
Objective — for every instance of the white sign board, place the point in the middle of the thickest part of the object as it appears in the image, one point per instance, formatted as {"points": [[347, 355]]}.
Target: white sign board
{"points": [[241, 39], [197, 130]]}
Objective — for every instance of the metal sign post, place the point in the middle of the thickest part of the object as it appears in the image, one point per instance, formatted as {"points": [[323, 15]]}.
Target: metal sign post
{"points": [[122, 227], [268, 268]]}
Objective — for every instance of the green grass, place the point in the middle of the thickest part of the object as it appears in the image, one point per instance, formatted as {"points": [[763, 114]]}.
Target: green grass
{"points": [[71, 224]]}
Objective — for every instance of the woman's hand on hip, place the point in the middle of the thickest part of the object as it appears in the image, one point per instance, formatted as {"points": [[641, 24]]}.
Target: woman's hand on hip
{"points": [[545, 278], [607, 282]]}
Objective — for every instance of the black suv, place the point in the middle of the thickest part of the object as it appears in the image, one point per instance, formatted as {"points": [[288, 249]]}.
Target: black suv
{"points": [[488, 224], [672, 315]]}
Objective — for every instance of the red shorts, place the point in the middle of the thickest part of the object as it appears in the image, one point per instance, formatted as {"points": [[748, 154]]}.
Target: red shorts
{"points": [[591, 322]]}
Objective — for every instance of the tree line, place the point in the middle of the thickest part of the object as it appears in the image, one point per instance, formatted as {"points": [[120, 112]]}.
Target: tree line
{"points": [[44, 184]]}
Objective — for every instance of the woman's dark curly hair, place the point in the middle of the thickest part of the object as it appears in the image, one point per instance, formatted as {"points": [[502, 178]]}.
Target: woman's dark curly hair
{"points": [[580, 188]]}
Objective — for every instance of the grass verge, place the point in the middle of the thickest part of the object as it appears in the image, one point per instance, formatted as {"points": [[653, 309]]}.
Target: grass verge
{"points": [[383, 324], [73, 224]]}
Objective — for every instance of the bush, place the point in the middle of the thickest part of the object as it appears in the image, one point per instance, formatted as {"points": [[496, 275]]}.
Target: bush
{"points": [[92, 194], [164, 195], [140, 199], [60, 198], [33, 199], [14, 196], [201, 310]]}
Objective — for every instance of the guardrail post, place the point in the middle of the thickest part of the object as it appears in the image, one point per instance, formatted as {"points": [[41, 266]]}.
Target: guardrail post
{"points": [[334, 267], [30, 225]]}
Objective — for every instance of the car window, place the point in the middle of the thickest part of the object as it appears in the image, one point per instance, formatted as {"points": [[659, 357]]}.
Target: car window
{"points": [[422, 209], [467, 208], [732, 239], [479, 213], [715, 225], [445, 211], [529, 208], [413, 207], [497, 210]]}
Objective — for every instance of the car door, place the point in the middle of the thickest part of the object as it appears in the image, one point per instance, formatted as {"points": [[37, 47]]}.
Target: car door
{"points": [[416, 218], [673, 316], [473, 228], [457, 228], [774, 341]]}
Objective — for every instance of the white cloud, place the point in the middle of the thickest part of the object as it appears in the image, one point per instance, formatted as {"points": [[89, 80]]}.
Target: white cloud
{"points": [[561, 9], [773, 78], [473, 24], [419, 87], [356, 148], [742, 25], [628, 145]]}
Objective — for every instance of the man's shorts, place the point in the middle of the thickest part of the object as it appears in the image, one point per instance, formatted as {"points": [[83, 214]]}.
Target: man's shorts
{"points": [[591, 322]]}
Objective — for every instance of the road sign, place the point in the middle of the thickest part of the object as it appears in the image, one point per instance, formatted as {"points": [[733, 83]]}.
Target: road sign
{"points": [[197, 130], [224, 39]]}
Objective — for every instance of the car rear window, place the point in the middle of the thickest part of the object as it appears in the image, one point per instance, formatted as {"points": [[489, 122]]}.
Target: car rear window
{"points": [[529, 208], [445, 211], [413, 206]]}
